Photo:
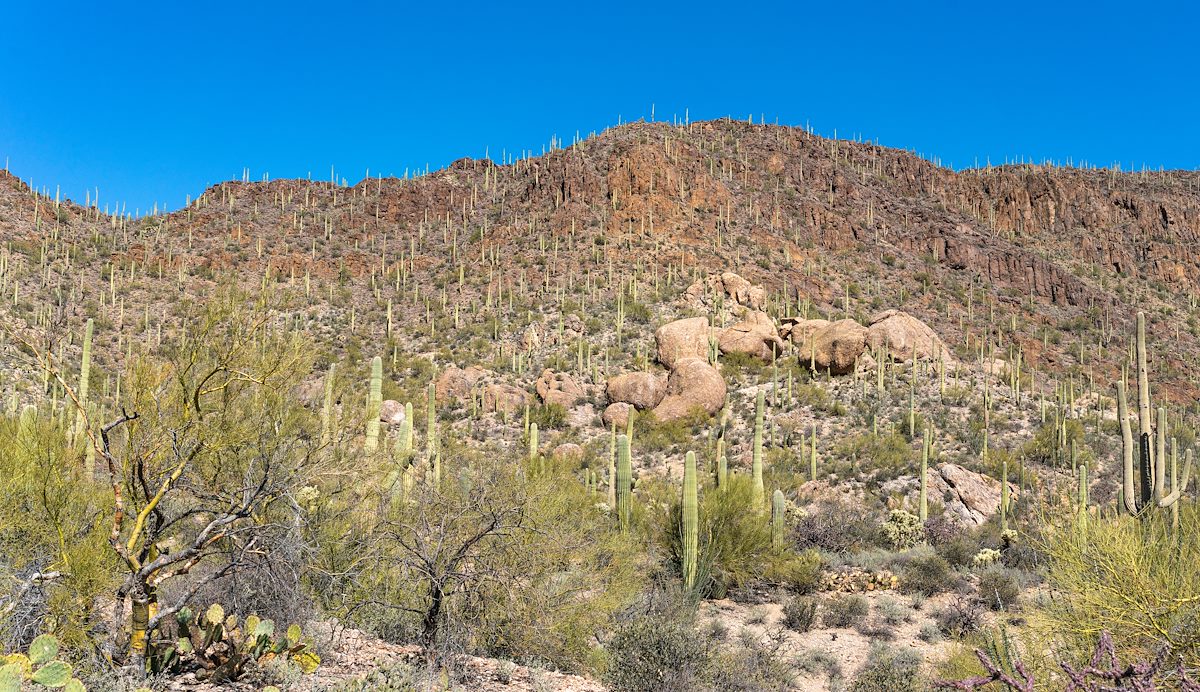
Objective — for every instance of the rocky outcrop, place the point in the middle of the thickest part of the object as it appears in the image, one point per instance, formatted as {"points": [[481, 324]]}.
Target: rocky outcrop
{"points": [[755, 336], [567, 450], [456, 384], [971, 497], [618, 413], [832, 346], [391, 412], [687, 338], [558, 388], [504, 398], [643, 390], [905, 337], [730, 286], [693, 384]]}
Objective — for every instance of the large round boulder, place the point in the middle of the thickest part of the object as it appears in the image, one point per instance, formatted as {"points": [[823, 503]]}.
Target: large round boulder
{"points": [[687, 338], [693, 384], [837, 346], [641, 389], [905, 337], [558, 388], [755, 336], [617, 413]]}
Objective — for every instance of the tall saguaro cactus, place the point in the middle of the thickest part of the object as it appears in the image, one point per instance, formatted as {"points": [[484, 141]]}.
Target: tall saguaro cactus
{"points": [[624, 483], [374, 403], [778, 504], [327, 406], [1144, 486], [924, 507], [757, 463], [690, 518]]}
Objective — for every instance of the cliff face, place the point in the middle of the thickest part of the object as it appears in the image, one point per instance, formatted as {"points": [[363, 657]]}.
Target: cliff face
{"points": [[835, 224]]}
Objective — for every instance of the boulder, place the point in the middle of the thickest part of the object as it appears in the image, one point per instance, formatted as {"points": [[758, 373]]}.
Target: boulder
{"points": [[391, 412], [567, 450], [641, 389], [558, 388], [618, 413], [692, 384], [905, 337], [455, 384], [970, 496], [799, 331], [505, 398], [743, 292], [687, 338], [755, 336], [836, 347]]}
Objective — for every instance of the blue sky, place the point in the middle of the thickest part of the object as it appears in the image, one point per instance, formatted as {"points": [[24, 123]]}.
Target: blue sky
{"points": [[153, 103]]}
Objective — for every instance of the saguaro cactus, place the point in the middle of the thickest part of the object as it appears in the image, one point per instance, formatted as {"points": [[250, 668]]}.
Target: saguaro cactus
{"points": [[431, 422], [690, 518], [327, 406], [624, 483], [374, 403], [1138, 485], [924, 507], [778, 503], [757, 463]]}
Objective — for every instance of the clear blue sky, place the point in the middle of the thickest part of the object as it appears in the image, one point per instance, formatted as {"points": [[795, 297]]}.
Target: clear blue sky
{"points": [[154, 103]]}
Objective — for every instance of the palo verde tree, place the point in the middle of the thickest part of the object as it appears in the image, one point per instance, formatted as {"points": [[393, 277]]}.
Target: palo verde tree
{"points": [[203, 460]]}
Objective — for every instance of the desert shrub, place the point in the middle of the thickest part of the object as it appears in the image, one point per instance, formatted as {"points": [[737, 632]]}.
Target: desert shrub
{"points": [[754, 664], [837, 526], [889, 670], [844, 611], [927, 573], [902, 529], [958, 551], [548, 417], [812, 661], [800, 613], [800, 573], [892, 611], [1137, 579], [960, 617], [887, 456], [653, 435], [1043, 447], [941, 529], [999, 588], [735, 544], [656, 653]]}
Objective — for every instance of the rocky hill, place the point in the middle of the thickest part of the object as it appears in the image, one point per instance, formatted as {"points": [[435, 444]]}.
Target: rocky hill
{"points": [[765, 297]]}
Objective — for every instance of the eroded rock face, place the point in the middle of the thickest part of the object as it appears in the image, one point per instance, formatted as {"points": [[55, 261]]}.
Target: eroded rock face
{"points": [[834, 347], [973, 497], [755, 336], [531, 339], [905, 337], [692, 384], [558, 388], [505, 398], [391, 412], [456, 384], [643, 390], [567, 450], [687, 338], [734, 288]]}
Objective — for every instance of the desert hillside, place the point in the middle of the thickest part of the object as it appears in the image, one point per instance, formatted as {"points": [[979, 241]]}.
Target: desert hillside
{"points": [[722, 405]]}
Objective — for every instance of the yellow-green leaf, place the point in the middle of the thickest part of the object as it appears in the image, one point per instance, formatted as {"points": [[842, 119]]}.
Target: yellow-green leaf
{"points": [[10, 677], [75, 685], [43, 650], [307, 661], [53, 674], [215, 614], [293, 634]]}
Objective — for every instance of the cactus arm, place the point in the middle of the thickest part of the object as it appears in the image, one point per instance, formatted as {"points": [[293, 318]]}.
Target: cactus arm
{"points": [[1176, 493], [689, 520]]}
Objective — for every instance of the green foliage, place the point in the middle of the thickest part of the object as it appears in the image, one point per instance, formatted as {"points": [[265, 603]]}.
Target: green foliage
{"points": [[800, 613], [844, 611], [39, 667], [657, 653], [925, 573], [889, 670], [549, 416], [902, 530], [999, 587], [219, 649], [1137, 579]]}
